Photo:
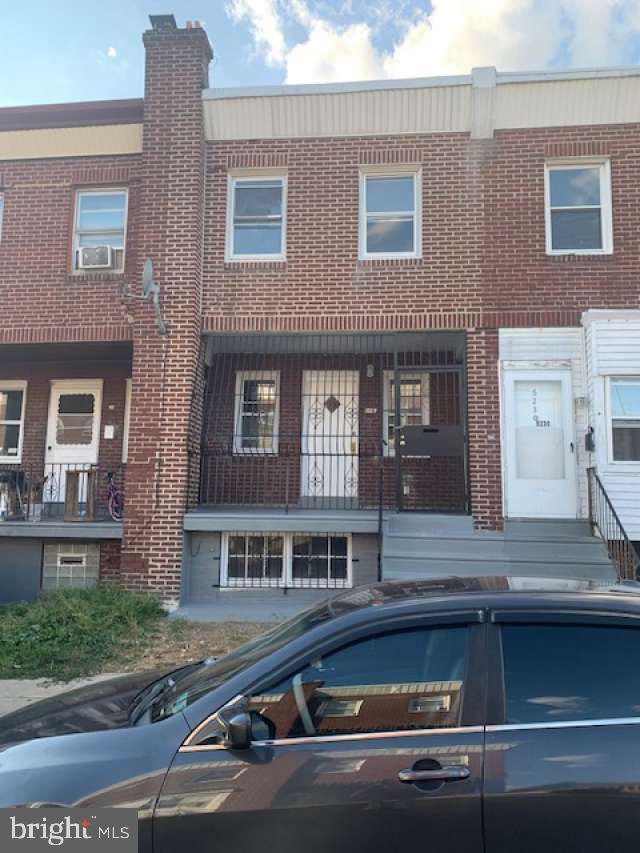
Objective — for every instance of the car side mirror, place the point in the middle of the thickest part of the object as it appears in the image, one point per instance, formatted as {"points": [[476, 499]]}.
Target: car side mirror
{"points": [[238, 731]]}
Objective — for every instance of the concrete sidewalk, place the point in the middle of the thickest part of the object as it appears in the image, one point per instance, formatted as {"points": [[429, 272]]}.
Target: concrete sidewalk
{"points": [[17, 693]]}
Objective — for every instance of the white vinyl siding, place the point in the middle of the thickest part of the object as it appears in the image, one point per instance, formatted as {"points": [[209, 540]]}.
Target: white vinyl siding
{"points": [[613, 351]]}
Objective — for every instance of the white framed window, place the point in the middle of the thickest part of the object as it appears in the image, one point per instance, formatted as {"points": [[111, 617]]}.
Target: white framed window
{"points": [[257, 412], [13, 396], [101, 220], [126, 419], [318, 560], [390, 213], [1, 213], [414, 404], [321, 559], [253, 559], [624, 419], [578, 207], [256, 217]]}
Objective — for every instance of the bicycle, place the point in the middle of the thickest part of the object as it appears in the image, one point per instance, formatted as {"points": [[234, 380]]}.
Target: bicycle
{"points": [[114, 498]]}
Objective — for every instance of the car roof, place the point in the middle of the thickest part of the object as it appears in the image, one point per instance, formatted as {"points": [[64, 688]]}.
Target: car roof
{"points": [[499, 588]]}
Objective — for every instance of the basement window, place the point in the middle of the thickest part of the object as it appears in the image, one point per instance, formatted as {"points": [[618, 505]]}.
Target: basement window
{"points": [[70, 565], [624, 397], [316, 560], [100, 223], [253, 560], [578, 208]]}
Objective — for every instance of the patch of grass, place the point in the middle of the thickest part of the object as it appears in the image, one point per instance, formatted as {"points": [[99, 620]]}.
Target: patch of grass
{"points": [[72, 633]]}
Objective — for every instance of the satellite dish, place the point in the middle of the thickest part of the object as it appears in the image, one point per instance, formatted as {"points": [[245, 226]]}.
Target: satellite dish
{"points": [[148, 284], [151, 288]]}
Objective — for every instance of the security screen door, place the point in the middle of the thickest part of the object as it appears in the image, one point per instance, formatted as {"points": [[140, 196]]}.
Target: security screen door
{"points": [[329, 445]]}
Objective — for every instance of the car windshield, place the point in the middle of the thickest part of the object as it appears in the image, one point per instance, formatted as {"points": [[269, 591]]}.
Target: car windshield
{"points": [[186, 688]]}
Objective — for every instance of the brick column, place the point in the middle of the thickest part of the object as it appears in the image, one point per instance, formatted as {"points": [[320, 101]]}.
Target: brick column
{"points": [[166, 368], [484, 429]]}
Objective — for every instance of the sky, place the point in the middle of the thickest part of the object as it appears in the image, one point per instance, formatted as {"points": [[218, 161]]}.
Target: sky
{"points": [[75, 50]]}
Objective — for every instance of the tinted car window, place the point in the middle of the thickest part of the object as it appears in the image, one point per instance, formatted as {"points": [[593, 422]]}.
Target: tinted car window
{"points": [[389, 682], [564, 672]]}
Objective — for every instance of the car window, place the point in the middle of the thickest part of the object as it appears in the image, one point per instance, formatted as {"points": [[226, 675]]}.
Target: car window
{"points": [[410, 679], [569, 672]]}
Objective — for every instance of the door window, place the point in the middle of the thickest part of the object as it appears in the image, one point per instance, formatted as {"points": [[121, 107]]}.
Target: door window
{"points": [[569, 672], [539, 430], [74, 423], [398, 681]]}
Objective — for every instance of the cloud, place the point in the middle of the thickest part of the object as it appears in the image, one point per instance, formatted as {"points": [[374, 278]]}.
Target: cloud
{"points": [[112, 52], [329, 55], [265, 24], [414, 39]]}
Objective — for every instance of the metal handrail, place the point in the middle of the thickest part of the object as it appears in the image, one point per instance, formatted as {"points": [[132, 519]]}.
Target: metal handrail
{"points": [[606, 521]]}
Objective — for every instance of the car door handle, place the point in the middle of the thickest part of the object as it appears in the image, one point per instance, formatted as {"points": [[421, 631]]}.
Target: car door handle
{"points": [[441, 774]]}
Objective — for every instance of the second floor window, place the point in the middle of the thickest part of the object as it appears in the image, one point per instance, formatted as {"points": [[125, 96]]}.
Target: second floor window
{"points": [[578, 208], [389, 215], [100, 230], [256, 218]]}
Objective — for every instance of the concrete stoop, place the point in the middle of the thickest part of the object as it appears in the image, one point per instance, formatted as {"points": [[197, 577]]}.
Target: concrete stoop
{"points": [[420, 545]]}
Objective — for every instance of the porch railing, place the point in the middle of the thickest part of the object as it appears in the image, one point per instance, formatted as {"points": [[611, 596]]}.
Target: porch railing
{"points": [[68, 491], [606, 522]]}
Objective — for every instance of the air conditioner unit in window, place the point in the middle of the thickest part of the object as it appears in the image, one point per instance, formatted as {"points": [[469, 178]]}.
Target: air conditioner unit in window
{"points": [[94, 257]]}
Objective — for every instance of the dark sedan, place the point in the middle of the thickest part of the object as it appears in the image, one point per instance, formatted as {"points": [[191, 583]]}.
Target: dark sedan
{"points": [[466, 714]]}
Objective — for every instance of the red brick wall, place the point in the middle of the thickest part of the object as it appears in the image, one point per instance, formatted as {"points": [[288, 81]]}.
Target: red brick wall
{"points": [[165, 368], [482, 230], [484, 264], [110, 561], [41, 299]]}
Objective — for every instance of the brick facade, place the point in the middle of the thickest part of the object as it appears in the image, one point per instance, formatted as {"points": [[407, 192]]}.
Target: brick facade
{"points": [[484, 267]]}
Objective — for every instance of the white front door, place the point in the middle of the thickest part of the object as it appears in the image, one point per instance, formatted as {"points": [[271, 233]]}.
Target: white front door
{"points": [[539, 444], [330, 419], [73, 432]]}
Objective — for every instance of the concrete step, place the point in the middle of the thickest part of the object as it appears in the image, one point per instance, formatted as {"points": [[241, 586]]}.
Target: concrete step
{"points": [[480, 547], [404, 568], [547, 528], [427, 524]]}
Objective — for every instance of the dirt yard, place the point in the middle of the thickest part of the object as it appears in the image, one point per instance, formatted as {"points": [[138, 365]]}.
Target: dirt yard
{"points": [[177, 641]]}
